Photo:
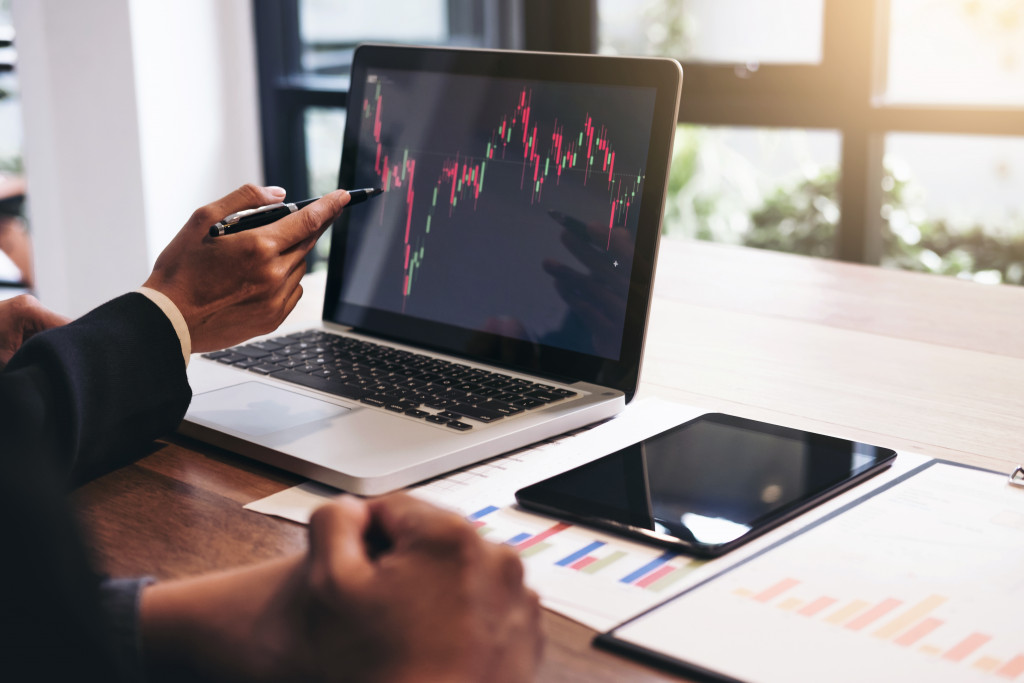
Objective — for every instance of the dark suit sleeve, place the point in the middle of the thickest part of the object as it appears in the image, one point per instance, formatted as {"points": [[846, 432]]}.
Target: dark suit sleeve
{"points": [[74, 402], [92, 394]]}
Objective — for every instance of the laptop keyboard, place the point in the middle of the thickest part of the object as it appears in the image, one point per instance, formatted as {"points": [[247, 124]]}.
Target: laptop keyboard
{"points": [[419, 386]]}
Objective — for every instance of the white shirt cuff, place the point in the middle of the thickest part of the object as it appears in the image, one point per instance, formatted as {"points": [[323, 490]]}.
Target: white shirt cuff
{"points": [[174, 315]]}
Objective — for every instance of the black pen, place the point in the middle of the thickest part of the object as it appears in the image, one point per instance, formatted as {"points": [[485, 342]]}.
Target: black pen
{"points": [[265, 215]]}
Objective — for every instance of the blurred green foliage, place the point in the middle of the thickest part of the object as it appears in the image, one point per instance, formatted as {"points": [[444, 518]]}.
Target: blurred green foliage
{"points": [[913, 241], [802, 216]]}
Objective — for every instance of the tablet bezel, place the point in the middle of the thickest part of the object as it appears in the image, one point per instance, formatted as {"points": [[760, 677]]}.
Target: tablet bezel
{"points": [[539, 498]]}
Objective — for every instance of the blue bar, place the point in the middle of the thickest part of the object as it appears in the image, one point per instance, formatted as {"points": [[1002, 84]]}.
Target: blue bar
{"points": [[649, 567], [516, 540], [582, 552], [482, 513]]}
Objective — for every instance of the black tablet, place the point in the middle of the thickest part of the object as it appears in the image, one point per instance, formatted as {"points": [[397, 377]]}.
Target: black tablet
{"points": [[708, 485]]}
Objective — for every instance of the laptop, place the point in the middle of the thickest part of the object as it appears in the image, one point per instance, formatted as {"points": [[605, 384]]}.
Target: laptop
{"points": [[495, 295]]}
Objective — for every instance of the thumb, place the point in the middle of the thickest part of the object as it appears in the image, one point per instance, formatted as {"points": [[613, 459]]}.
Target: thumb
{"points": [[337, 544]]}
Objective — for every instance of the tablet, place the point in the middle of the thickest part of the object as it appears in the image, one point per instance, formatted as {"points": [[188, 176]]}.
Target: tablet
{"points": [[708, 485]]}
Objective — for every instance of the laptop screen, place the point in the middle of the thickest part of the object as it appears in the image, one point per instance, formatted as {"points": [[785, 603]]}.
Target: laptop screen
{"points": [[512, 208]]}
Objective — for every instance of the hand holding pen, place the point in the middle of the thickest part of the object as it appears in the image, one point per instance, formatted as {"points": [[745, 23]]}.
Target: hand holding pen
{"points": [[248, 219]]}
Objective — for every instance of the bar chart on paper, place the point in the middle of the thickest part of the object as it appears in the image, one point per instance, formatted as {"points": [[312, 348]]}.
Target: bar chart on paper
{"points": [[921, 582], [605, 577]]}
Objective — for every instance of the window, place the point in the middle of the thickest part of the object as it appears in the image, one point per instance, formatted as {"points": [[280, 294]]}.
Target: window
{"points": [[806, 125], [921, 102]]}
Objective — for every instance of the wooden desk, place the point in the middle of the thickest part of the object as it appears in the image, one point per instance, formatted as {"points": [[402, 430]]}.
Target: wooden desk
{"points": [[910, 361]]}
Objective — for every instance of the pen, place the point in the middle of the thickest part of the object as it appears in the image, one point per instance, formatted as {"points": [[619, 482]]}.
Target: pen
{"points": [[265, 215]]}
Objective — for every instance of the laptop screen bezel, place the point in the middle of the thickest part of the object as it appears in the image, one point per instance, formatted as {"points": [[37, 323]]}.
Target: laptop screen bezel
{"points": [[664, 76]]}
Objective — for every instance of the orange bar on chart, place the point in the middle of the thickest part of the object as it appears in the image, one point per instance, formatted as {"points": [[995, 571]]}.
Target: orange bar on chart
{"points": [[966, 646], [873, 614], [918, 632], [843, 613], [910, 617], [987, 664], [1013, 668], [776, 590], [818, 605]]}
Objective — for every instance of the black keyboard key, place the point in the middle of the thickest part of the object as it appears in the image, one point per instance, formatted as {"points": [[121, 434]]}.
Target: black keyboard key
{"points": [[248, 363], [372, 400], [415, 412], [507, 409], [464, 410], [543, 396], [214, 355], [267, 345], [528, 403], [437, 419], [250, 351], [460, 426], [231, 358], [264, 368]]}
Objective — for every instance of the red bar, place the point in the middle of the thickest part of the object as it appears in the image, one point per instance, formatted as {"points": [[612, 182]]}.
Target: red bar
{"points": [[409, 197], [611, 167], [376, 120], [817, 606], [876, 612], [586, 561], [966, 646], [478, 523], [654, 576], [407, 256], [776, 590], [1013, 668], [918, 632], [561, 526]]}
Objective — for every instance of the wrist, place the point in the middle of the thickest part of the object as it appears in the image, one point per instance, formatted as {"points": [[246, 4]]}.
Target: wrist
{"points": [[224, 626], [174, 315]]}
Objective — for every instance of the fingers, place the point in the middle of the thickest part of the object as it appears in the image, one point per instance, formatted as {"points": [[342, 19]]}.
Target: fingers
{"points": [[38, 317], [336, 543], [406, 521], [248, 196], [299, 231]]}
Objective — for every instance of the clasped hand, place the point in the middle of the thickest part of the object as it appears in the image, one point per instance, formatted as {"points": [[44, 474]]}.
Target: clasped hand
{"points": [[434, 603]]}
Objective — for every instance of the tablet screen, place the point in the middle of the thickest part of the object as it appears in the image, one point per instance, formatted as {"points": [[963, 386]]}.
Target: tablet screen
{"points": [[709, 484]]}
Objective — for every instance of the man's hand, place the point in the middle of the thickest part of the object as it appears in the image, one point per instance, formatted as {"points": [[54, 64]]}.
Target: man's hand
{"points": [[20, 318], [238, 286], [391, 590]]}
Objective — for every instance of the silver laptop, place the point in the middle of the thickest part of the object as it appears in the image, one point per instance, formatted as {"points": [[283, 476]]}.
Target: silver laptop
{"points": [[495, 295]]}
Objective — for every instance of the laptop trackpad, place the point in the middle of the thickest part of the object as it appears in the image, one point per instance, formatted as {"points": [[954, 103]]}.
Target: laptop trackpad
{"points": [[257, 409]]}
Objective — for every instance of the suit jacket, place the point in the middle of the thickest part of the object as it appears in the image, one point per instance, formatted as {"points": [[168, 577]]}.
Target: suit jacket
{"points": [[75, 401]]}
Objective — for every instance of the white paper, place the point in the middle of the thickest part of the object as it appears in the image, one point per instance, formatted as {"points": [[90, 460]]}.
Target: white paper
{"points": [[598, 599], [922, 582]]}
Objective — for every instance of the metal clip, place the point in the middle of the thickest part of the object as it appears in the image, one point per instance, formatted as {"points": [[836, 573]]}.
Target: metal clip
{"points": [[1017, 476]]}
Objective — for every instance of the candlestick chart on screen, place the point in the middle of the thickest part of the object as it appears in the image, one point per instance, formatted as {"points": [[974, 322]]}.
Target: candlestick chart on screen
{"points": [[482, 180]]}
